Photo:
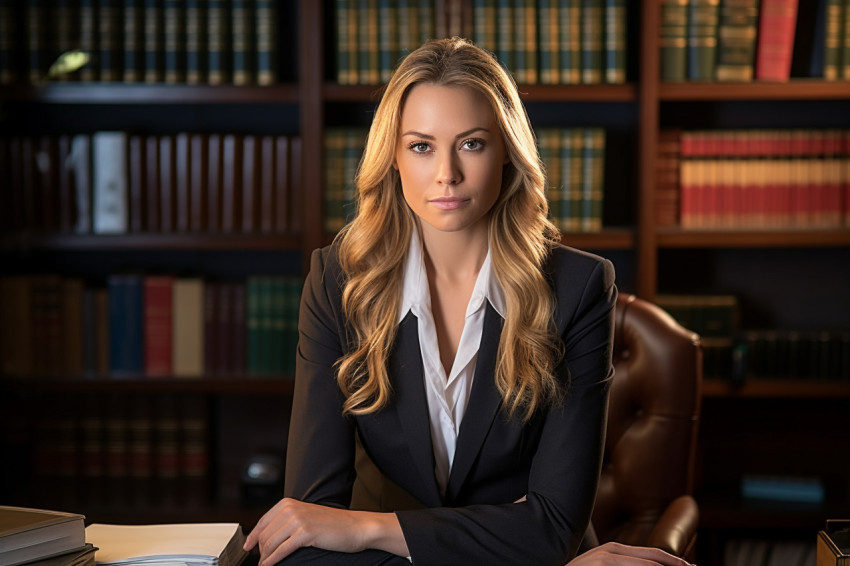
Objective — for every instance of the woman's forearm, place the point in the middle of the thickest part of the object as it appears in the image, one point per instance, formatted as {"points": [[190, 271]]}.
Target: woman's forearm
{"points": [[383, 532]]}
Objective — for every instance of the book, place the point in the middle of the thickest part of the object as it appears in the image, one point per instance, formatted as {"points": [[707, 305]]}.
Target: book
{"points": [[674, 39], [736, 36], [34, 534], [158, 310], [703, 20], [109, 151], [775, 46], [188, 327], [833, 546], [84, 557], [213, 544]]}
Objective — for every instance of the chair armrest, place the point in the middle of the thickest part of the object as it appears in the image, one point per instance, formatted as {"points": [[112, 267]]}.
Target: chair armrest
{"points": [[676, 529]]}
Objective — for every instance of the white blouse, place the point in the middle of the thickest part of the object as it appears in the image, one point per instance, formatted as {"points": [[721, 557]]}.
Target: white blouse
{"points": [[447, 395]]}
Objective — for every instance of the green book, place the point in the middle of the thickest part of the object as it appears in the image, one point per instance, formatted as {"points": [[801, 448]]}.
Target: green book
{"points": [[703, 19], [570, 41], [833, 25], [736, 40], [525, 41], [615, 41], [592, 179], [674, 40], [548, 19], [592, 41], [334, 180], [218, 43]]}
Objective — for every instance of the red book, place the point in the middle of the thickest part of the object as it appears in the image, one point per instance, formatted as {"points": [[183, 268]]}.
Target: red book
{"points": [[158, 309], [777, 21]]}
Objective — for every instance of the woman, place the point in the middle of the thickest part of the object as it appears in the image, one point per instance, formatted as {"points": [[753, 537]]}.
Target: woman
{"points": [[450, 343]]}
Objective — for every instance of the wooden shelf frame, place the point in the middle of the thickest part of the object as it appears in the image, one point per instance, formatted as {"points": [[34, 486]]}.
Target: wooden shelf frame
{"points": [[140, 93]]}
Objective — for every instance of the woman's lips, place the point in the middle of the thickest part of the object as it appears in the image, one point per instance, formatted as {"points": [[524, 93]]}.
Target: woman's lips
{"points": [[449, 203]]}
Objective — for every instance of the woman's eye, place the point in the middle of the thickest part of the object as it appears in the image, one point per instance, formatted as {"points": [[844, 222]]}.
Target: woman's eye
{"points": [[419, 147], [472, 145]]}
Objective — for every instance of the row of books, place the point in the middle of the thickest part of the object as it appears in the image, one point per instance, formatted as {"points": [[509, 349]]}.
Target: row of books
{"points": [[121, 451], [574, 159], [120, 182], [753, 179], [343, 148], [540, 41], [790, 354], [556, 41], [148, 325], [169, 41], [745, 40]]}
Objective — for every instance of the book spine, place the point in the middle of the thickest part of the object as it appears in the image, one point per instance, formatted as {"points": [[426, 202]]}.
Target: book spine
{"points": [[182, 182], [109, 151], [174, 41], [72, 326], [674, 41], [126, 312], [166, 443], [250, 184], [153, 41], [196, 41], [570, 42], [702, 39], [845, 48], [833, 18], [218, 42], [167, 184], [214, 177], [266, 184], [88, 37], [188, 328], [388, 38], [198, 182], [282, 185], [230, 182], [267, 45], [140, 451], [36, 41], [117, 451], [109, 39], [296, 192], [136, 182], [152, 183], [242, 51], [158, 312], [368, 57], [65, 36], [775, 39], [547, 21], [133, 41], [194, 453], [592, 41], [213, 344], [615, 41], [736, 36]]}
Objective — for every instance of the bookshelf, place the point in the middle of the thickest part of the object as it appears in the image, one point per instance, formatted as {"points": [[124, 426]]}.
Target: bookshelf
{"points": [[650, 259]]}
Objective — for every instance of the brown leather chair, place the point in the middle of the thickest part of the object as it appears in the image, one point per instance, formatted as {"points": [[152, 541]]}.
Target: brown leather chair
{"points": [[644, 495]]}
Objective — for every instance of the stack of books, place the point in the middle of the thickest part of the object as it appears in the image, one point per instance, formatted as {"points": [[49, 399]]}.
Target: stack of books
{"points": [[39, 537]]}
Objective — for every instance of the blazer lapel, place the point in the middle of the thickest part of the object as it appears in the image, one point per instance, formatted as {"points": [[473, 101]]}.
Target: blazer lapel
{"points": [[484, 403], [411, 404]]}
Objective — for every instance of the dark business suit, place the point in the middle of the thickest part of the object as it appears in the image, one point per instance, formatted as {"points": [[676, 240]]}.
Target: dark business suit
{"points": [[554, 458]]}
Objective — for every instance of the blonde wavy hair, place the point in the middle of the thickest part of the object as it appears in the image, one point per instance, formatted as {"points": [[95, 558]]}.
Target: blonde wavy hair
{"points": [[520, 239]]}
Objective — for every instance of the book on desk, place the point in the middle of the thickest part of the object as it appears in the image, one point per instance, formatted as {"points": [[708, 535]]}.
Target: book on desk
{"points": [[833, 547], [35, 535]]}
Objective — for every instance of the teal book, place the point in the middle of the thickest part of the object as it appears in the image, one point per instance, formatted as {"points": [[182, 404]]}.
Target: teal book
{"points": [[592, 41], [132, 41], [242, 40], [736, 40], [703, 20], [388, 51], [265, 29], [153, 42], [174, 41], [196, 28], [674, 41], [570, 41], [218, 42], [615, 41]]}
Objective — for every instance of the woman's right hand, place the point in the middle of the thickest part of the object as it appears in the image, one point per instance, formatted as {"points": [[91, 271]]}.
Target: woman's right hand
{"points": [[616, 554]]}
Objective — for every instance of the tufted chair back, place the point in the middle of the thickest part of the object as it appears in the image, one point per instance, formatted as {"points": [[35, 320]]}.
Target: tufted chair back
{"points": [[645, 489]]}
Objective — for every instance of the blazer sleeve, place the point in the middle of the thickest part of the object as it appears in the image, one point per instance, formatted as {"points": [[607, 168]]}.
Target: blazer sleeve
{"points": [[320, 449], [548, 527]]}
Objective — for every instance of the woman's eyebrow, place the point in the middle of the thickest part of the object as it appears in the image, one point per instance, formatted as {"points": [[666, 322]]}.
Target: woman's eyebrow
{"points": [[430, 137]]}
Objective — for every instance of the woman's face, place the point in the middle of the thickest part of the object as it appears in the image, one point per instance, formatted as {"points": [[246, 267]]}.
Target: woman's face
{"points": [[449, 156]]}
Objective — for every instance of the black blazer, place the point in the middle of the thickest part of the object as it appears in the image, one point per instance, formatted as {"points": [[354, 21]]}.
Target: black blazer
{"points": [[554, 459]]}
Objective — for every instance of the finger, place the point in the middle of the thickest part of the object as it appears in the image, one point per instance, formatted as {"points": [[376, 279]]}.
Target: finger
{"points": [[280, 551], [646, 553]]}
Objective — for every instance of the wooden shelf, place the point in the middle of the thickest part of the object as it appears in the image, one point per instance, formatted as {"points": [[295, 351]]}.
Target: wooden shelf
{"points": [[265, 385], [797, 89], [139, 93], [529, 93], [188, 241], [777, 388], [725, 511], [607, 239], [787, 238]]}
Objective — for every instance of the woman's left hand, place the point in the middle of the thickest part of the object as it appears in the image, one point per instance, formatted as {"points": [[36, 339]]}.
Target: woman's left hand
{"points": [[292, 524]]}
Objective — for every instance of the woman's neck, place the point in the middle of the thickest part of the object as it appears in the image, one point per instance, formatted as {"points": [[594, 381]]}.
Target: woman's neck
{"points": [[455, 255]]}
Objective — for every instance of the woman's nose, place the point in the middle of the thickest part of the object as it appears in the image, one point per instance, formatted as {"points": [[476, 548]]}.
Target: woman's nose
{"points": [[449, 171]]}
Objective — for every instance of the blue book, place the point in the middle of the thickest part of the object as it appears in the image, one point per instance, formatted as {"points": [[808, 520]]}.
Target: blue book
{"points": [[126, 325]]}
